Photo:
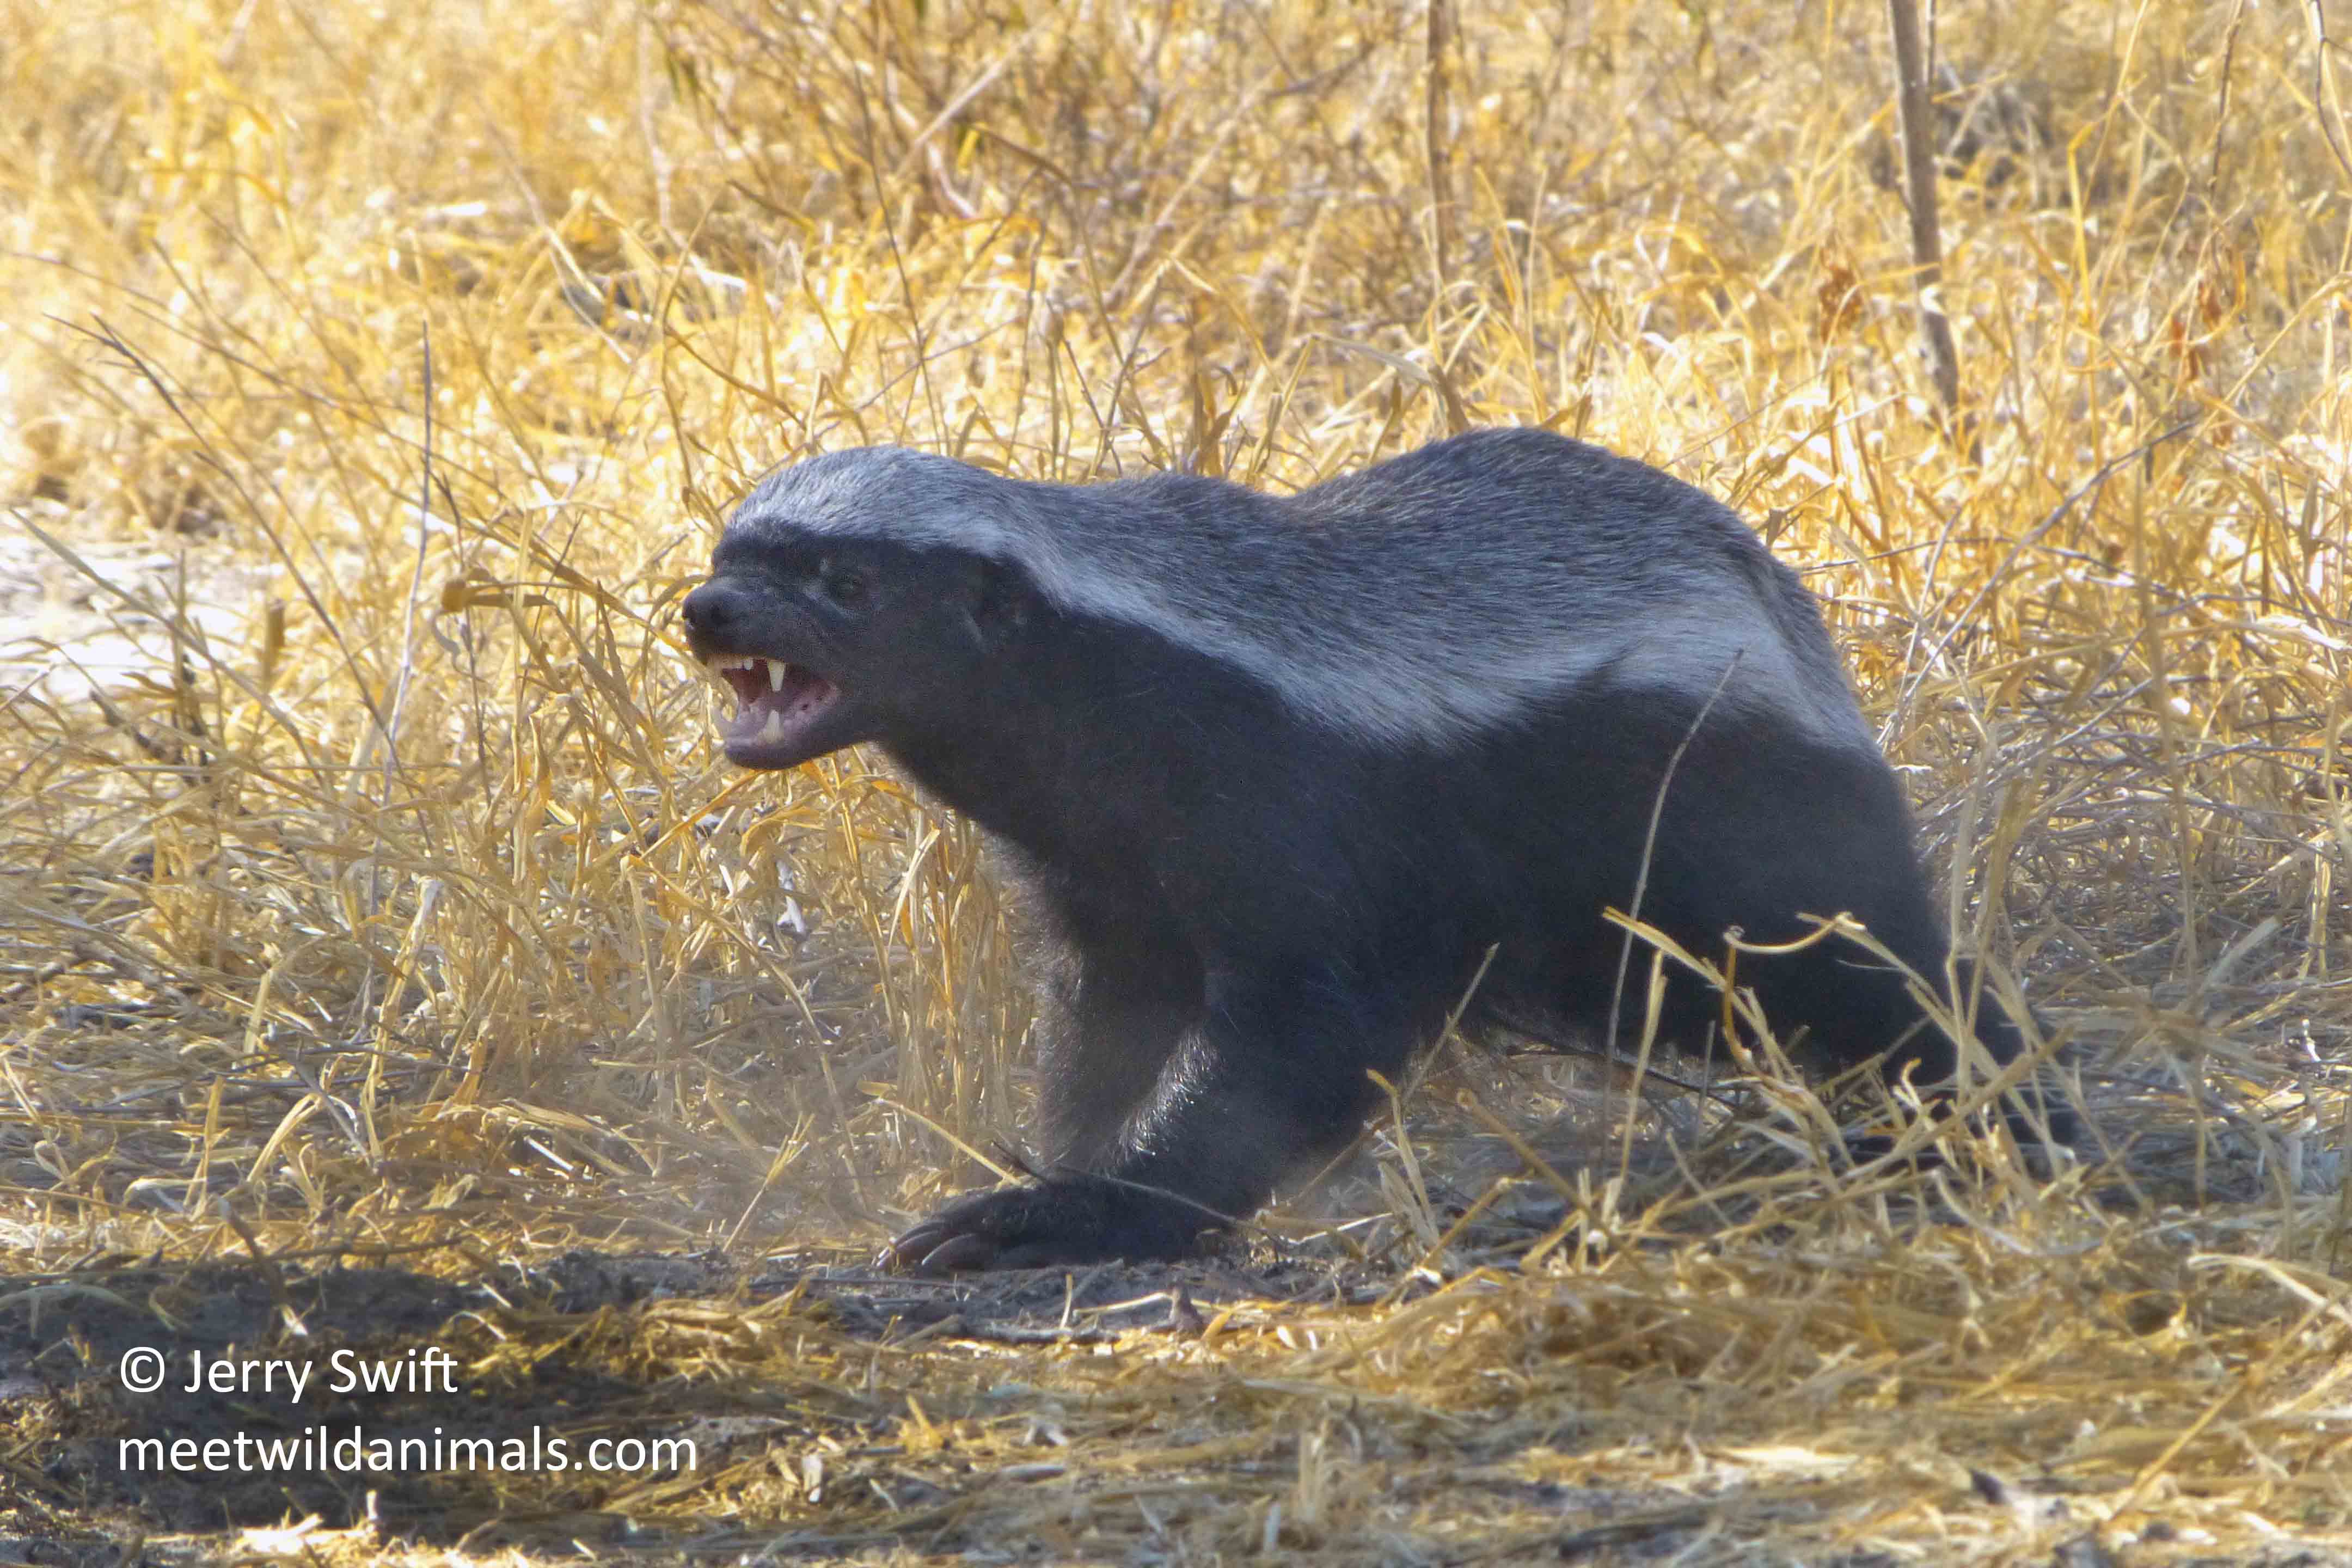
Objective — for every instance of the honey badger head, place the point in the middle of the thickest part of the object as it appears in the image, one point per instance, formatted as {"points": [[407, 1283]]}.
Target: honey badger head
{"points": [[828, 632]]}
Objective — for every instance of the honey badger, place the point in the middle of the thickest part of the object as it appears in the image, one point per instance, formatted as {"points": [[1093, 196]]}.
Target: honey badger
{"points": [[1281, 772]]}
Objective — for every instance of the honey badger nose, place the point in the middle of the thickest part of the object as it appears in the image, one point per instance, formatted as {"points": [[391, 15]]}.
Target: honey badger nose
{"points": [[713, 609]]}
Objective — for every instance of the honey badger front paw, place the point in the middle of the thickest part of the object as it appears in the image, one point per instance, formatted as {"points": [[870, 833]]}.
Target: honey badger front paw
{"points": [[1059, 1221]]}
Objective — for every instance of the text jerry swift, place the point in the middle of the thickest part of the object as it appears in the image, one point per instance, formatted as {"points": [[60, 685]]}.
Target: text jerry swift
{"points": [[429, 1370]]}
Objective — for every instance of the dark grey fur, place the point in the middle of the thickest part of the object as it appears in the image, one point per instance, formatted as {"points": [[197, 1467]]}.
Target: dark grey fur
{"points": [[1282, 771]]}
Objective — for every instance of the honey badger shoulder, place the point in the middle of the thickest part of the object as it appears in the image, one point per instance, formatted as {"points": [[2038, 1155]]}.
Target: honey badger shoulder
{"points": [[1284, 771]]}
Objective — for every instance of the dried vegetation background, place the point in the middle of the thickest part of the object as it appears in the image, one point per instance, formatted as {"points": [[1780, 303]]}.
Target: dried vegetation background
{"points": [[372, 381]]}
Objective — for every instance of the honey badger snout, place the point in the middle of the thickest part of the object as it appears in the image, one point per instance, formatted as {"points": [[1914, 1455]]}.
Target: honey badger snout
{"points": [[715, 612]]}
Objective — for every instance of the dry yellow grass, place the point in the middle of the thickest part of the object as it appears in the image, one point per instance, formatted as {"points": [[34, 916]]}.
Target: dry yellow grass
{"points": [[372, 381]]}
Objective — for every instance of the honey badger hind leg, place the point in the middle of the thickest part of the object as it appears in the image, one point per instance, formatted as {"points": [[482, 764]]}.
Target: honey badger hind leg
{"points": [[1819, 831], [1764, 828]]}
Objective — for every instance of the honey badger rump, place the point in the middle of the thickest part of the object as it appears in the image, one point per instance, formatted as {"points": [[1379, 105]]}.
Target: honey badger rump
{"points": [[1281, 772]]}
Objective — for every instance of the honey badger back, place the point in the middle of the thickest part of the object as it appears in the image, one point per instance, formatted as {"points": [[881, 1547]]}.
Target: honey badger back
{"points": [[1282, 771]]}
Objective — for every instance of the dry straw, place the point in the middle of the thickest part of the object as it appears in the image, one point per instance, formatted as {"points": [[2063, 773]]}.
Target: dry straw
{"points": [[374, 382]]}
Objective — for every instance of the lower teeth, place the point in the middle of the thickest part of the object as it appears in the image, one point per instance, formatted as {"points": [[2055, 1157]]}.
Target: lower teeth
{"points": [[773, 730]]}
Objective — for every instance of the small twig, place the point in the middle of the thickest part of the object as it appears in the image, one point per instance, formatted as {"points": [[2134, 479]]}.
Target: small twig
{"points": [[1912, 110], [2222, 113], [1650, 842], [415, 581], [1439, 135], [2320, 78]]}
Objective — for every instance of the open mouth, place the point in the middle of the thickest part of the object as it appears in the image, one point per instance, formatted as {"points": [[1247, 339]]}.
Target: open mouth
{"points": [[776, 705]]}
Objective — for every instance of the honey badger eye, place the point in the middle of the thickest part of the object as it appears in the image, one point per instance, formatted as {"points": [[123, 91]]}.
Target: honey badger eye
{"points": [[845, 586]]}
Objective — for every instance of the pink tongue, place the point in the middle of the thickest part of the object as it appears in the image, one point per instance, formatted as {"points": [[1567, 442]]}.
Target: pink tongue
{"points": [[798, 700], [751, 717]]}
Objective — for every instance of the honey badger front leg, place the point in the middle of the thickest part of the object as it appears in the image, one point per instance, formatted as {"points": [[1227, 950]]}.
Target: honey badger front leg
{"points": [[1270, 1079], [1121, 987]]}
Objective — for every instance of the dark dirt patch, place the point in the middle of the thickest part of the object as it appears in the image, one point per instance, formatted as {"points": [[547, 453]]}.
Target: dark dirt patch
{"points": [[253, 1450], [411, 1381]]}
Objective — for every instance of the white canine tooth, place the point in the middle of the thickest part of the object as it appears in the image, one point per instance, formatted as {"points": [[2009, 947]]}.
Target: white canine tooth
{"points": [[773, 730], [776, 668]]}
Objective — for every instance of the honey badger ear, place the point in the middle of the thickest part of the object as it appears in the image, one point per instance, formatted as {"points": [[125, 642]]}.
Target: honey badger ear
{"points": [[994, 604]]}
